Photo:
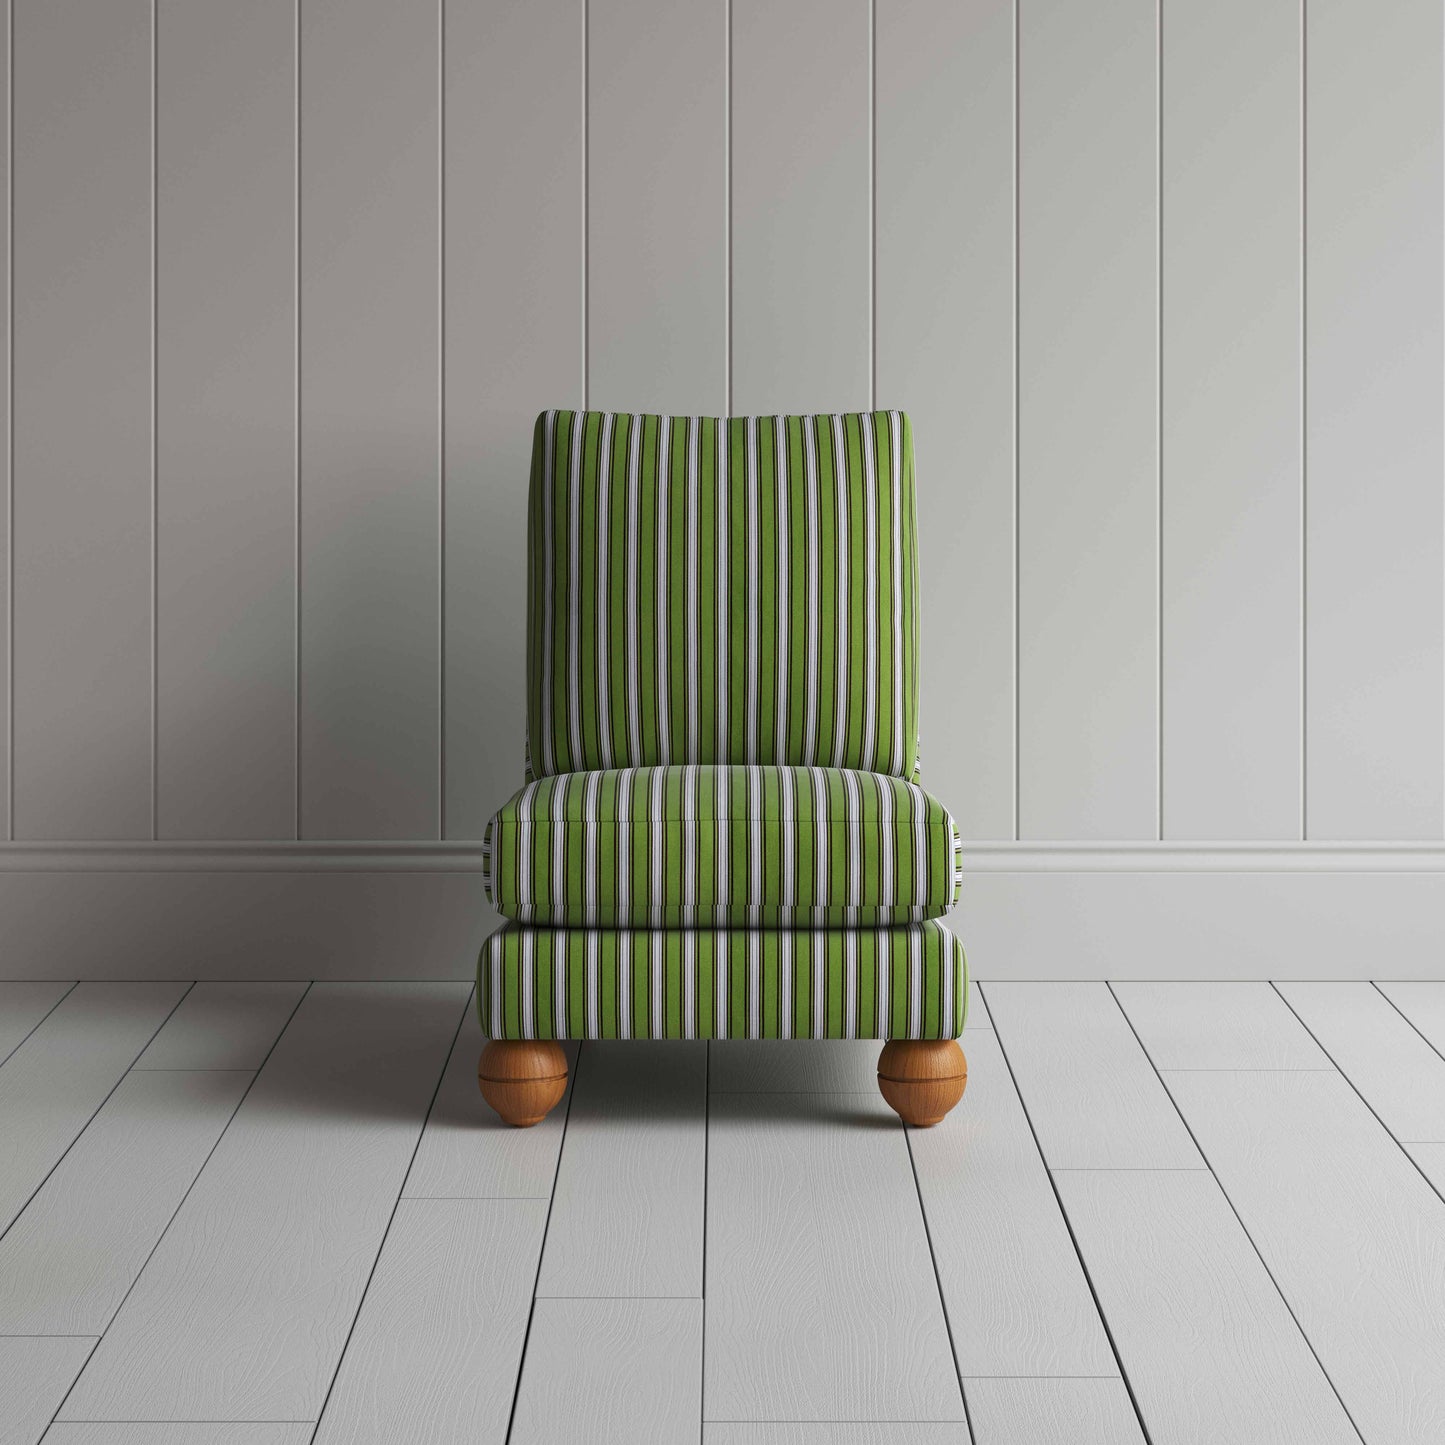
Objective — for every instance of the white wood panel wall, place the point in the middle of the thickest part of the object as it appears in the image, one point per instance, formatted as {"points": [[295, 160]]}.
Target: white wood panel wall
{"points": [[1373, 404], [225, 419], [82, 498], [1231, 389], [1088, 382], [1159, 280], [370, 418]]}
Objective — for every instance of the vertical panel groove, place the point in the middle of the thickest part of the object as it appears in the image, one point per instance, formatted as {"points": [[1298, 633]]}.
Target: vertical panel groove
{"points": [[441, 419], [586, 216], [10, 422], [296, 428], [873, 203], [155, 431], [1159, 417], [728, 216], [1017, 86], [1304, 468]]}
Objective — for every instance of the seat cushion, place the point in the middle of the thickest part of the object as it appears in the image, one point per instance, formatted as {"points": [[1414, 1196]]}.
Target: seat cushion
{"points": [[743, 847], [550, 983]]}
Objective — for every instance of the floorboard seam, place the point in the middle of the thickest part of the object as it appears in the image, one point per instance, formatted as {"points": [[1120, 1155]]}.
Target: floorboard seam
{"points": [[1264, 1263], [706, 1132], [45, 1015], [1069, 1225], [1399, 1143], [181, 1203], [391, 1218], [120, 1079], [542, 1249], [938, 1281], [1430, 1043]]}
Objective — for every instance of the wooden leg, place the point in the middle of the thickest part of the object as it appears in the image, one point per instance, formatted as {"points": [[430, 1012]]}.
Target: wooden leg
{"points": [[522, 1079], [922, 1079]]}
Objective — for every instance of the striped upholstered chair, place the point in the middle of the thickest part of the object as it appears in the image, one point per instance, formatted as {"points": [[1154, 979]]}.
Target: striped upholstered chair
{"points": [[721, 834]]}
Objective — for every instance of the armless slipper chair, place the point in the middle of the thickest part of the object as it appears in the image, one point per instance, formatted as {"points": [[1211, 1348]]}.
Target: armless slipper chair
{"points": [[721, 835]]}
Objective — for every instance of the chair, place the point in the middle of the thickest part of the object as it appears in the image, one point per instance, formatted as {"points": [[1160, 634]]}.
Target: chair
{"points": [[721, 834]]}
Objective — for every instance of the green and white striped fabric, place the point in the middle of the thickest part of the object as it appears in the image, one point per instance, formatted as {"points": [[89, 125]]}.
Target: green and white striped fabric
{"points": [[705, 846], [546, 983], [722, 591]]}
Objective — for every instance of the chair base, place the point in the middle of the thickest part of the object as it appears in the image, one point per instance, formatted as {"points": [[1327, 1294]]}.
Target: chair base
{"points": [[922, 1079], [523, 1080]]}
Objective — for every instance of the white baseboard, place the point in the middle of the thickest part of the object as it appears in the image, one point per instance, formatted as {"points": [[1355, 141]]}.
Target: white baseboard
{"points": [[416, 910]]}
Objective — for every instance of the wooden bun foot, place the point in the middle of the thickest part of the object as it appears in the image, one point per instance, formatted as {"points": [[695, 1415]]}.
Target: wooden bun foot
{"points": [[922, 1079], [522, 1079]]}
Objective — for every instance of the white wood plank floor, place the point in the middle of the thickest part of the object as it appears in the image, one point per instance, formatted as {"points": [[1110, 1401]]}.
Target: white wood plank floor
{"points": [[256, 1214]]}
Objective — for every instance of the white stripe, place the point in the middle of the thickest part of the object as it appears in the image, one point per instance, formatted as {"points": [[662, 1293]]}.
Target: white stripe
{"points": [[594, 986], [750, 722], [559, 942], [782, 532], [787, 961], [896, 483], [574, 596], [549, 590], [692, 656], [818, 952], [842, 542], [755, 985], [689, 984], [814, 621], [915, 984], [625, 943], [870, 609], [603, 649], [634, 609], [660, 639], [720, 572]]}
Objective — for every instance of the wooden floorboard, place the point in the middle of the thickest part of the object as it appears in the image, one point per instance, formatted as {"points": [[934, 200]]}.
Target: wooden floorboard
{"points": [[1424, 1005], [869, 1432], [611, 1372], [22, 1006], [438, 1341], [243, 1310], [1396, 1072], [53, 1083], [67, 1262], [1055, 1412], [1205, 1339], [1352, 1233], [822, 1302], [192, 1433], [363, 1234], [466, 1152], [1218, 1026], [1018, 1302], [627, 1212], [34, 1376], [1091, 1093], [223, 1026]]}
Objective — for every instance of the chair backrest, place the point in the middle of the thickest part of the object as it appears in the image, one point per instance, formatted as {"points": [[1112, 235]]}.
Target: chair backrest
{"points": [[705, 590]]}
